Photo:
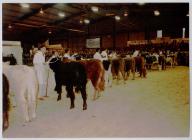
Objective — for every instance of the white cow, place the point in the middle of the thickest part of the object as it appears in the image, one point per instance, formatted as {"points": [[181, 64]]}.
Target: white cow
{"points": [[24, 85]]}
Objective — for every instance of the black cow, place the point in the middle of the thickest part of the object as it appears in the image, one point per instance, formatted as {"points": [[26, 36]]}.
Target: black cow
{"points": [[71, 74]]}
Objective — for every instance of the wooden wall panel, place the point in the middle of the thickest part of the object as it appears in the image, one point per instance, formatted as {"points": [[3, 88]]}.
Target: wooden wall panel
{"points": [[153, 35], [107, 42], [102, 27], [137, 36], [121, 40], [77, 43]]}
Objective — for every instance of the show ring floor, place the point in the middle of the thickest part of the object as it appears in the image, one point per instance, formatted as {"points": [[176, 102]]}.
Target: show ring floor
{"points": [[157, 106]]}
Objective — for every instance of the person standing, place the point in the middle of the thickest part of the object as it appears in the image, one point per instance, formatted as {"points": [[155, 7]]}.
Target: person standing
{"points": [[67, 54], [40, 69], [97, 55]]}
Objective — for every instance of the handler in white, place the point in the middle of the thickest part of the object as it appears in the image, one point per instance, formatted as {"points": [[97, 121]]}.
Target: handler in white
{"points": [[97, 55], [136, 53], [108, 74], [40, 69], [104, 54]]}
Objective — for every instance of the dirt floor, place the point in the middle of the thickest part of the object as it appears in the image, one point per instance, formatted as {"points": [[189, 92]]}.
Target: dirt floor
{"points": [[157, 106]]}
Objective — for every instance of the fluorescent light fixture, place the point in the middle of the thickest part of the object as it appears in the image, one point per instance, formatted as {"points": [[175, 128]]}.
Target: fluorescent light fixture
{"points": [[117, 18], [141, 3], [86, 21], [94, 9], [81, 21], [9, 26], [41, 11], [24, 5], [61, 14], [156, 13], [125, 14]]}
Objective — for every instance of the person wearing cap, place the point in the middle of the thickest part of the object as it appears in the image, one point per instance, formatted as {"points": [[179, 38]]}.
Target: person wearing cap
{"points": [[40, 69]]}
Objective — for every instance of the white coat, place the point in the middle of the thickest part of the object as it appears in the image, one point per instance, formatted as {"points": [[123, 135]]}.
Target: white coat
{"points": [[40, 67], [104, 55], [135, 54], [97, 56]]}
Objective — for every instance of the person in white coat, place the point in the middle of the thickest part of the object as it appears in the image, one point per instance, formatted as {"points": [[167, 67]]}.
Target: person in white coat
{"points": [[67, 54], [40, 69], [136, 53], [97, 55], [104, 54]]}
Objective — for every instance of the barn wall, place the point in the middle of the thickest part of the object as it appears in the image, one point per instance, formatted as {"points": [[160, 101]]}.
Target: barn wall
{"points": [[107, 41], [121, 40], [137, 36]]}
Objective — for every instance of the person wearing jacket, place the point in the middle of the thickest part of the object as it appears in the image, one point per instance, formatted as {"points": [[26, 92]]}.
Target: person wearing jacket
{"points": [[40, 69]]}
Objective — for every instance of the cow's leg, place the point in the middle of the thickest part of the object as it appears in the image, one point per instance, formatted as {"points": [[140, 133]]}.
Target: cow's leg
{"points": [[59, 90], [5, 120], [69, 89], [84, 96], [96, 94], [22, 103], [32, 101]]}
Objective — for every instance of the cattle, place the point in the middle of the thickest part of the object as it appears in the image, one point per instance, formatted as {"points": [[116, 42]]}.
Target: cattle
{"points": [[140, 65], [129, 66], [23, 83], [117, 66], [123, 66], [95, 73], [71, 74], [151, 60], [6, 103]]}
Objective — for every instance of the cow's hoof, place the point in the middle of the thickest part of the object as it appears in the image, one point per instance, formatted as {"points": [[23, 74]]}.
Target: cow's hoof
{"points": [[58, 98], [84, 108], [72, 107]]}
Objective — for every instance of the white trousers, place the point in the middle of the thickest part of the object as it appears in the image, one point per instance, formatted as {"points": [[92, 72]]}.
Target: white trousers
{"points": [[42, 90]]}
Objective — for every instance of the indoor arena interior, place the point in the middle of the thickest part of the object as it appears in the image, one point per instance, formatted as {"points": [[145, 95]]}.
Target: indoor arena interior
{"points": [[95, 70]]}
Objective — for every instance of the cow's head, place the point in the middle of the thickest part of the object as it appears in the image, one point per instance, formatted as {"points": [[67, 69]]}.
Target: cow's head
{"points": [[54, 63]]}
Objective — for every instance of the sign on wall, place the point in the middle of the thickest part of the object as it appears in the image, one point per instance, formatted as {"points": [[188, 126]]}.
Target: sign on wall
{"points": [[159, 33], [93, 43]]}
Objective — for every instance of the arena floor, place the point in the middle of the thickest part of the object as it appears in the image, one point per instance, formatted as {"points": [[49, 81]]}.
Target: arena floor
{"points": [[157, 106]]}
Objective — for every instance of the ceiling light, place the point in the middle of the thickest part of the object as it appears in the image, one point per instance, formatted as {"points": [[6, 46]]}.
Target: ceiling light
{"points": [[61, 14], [125, 14], [81, 21], [156, 13], [50, 32], [9, 26], [24, 5], [94, 9], [86, 21], [41, 11], [117, 18], [141, 3]]}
